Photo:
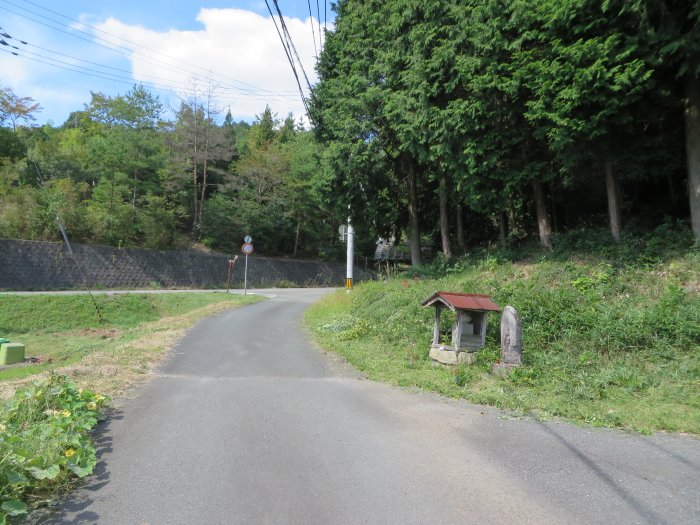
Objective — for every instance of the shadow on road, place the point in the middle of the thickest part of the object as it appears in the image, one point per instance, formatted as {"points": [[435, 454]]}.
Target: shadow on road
{"points": [[674, 455], [639, 507]]}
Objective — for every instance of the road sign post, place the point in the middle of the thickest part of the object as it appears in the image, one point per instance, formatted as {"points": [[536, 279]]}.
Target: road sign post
{"points": [[247, 249]]}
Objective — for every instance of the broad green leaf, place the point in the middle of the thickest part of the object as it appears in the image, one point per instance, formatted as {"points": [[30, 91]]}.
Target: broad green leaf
{"points": [[48, 473], [79, 471], [14, 508], [15, 477]]}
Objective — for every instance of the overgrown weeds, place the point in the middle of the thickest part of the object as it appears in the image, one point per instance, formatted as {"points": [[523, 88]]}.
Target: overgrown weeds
{"points": [[45, 443]]}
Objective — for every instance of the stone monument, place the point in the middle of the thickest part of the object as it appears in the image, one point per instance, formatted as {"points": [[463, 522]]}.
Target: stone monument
{"points": [[511, 343]]}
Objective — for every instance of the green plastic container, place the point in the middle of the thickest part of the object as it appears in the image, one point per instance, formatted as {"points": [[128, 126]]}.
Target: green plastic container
{"points": [[11, 353]]}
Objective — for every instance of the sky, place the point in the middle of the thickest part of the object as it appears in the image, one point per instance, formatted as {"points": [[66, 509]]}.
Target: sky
{"points": [[175, 48]]}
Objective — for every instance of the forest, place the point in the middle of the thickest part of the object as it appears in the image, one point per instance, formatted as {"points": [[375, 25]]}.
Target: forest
{"points": [[445, 123], [118, 173], [489, 120]]}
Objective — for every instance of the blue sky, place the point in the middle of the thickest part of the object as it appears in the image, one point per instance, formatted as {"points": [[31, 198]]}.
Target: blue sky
{"points": [[175, 48]]}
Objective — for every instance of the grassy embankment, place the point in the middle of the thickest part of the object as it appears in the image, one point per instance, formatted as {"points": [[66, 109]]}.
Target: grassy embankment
{"points": [[66, 335], [611, 332]]}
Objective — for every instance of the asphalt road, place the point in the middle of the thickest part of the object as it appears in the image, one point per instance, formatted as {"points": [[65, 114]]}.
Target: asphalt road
{"points": [[249, 423]]}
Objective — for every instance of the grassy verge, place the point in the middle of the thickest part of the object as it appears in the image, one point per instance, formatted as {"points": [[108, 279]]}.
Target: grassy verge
{"points": [[611, 333], [108, 354]]}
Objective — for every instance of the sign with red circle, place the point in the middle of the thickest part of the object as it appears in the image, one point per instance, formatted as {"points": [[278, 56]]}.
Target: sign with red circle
{"points": [[247, 248]]}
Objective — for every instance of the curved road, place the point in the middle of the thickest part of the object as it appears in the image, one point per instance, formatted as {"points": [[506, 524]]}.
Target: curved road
{"points": [[249, 423]]}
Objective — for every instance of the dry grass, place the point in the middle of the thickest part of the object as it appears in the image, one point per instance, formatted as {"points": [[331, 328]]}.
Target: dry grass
{"points": [[132, 359]]}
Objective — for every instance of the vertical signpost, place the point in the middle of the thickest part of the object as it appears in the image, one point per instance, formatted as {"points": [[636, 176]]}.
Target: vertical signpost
{"points": [[350, 256], [247, 249]]}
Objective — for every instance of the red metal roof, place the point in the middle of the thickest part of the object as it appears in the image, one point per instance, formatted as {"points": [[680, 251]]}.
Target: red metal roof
{"points": [[463, 301]]}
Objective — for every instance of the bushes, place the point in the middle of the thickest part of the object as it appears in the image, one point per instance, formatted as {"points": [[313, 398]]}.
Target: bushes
{"points": [[44, 442]]}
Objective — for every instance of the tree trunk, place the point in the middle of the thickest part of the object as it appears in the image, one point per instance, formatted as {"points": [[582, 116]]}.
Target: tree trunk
{"points": [[194, 171], [543, 224], [503, 228], [413, 222], [444, 219], [613, 200], [296, 238], [204, 165], [555, 217], [460, 231], [692, 149], [204, 181], [133, 198], [111, 205]]}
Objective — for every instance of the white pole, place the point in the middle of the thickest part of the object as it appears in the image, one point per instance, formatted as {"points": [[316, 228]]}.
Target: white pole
{"points": [[245, 276], [350, 257]]}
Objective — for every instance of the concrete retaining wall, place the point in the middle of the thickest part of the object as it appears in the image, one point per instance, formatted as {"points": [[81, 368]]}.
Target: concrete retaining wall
{"points": [[36, 265]]}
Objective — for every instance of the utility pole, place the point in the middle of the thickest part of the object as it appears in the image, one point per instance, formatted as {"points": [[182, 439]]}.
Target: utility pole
{"points": [[350, 256]]}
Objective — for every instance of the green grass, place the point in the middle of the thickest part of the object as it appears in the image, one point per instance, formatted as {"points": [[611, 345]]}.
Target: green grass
{"points": [[611, 335], [63, 330], [20, 314]]}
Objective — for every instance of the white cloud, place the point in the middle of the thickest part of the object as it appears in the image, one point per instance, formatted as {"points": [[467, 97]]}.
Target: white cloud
{"points": [[15, 70], [238, 48]]}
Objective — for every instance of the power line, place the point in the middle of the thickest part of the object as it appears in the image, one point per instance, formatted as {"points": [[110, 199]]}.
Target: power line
{"points": [[159, 79], [122, 49], [159, 82], [313, 32], [253, 86], [104, 75], [290, 43], [90, 40], [318, 21], [289, 57]]}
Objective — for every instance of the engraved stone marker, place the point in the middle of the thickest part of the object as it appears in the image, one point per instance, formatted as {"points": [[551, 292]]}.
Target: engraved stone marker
{"points": [[511, 342], [511, 337]]}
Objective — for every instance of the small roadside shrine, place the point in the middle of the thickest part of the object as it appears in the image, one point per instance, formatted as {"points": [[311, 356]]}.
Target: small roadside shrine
{"points": [[468, 330]]}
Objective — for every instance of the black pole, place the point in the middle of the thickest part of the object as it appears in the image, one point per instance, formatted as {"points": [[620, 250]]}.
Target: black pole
{"points": [[80, 270]]}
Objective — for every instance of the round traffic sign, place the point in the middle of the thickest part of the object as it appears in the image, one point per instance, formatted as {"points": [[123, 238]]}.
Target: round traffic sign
{"points": [[247, 248], [247, 239]]}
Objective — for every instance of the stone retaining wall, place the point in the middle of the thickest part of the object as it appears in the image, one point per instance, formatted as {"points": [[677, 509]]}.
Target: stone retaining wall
{"points": [[37, 265]]}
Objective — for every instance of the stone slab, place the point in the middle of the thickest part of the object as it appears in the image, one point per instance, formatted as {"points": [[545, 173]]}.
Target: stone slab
{"points": [[502, 369], [11, 353], [451, 357], [511, 337]]}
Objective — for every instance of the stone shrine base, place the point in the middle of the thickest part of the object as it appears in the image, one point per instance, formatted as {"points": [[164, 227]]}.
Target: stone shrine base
{"points": [[447, 355], [502, 369]]}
